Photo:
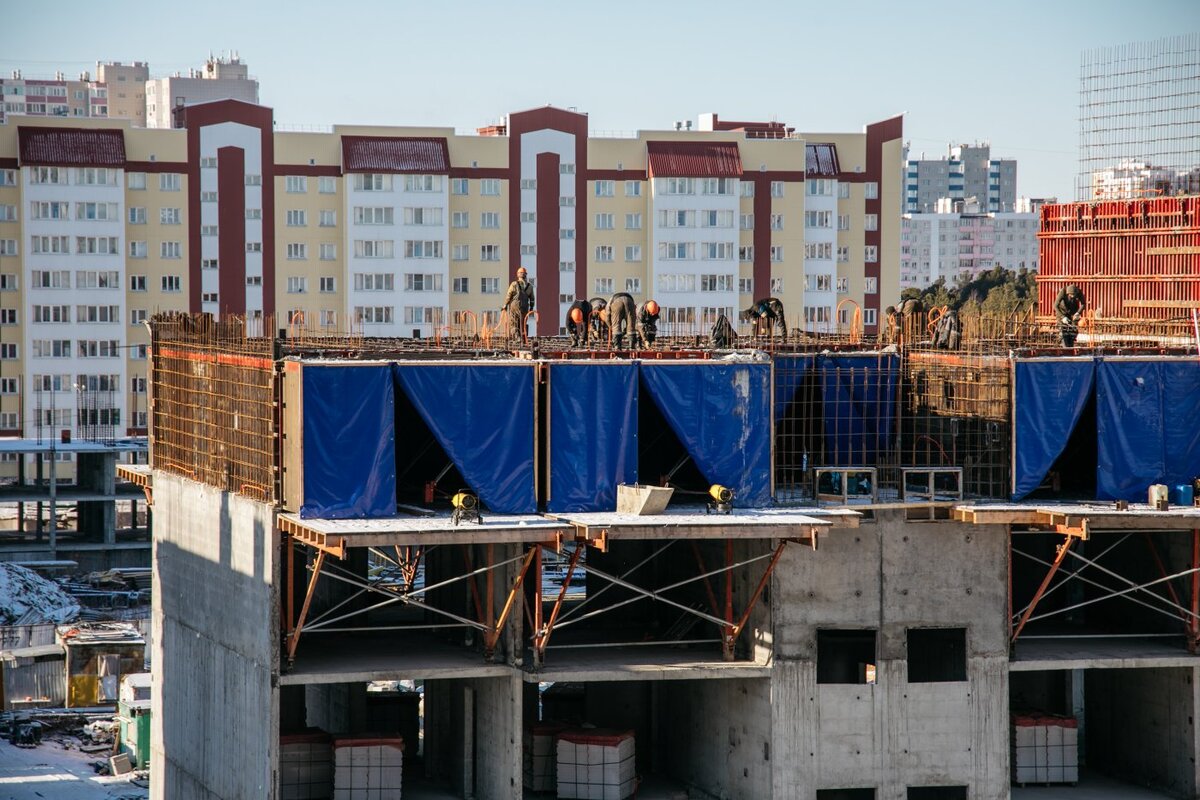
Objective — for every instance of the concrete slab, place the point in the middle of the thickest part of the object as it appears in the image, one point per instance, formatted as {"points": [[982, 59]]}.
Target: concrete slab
{"points": [[1093, 516], [1091, 786], [423, 530], [660, 663], [1033, 654], [388, 655], [695, 524]]}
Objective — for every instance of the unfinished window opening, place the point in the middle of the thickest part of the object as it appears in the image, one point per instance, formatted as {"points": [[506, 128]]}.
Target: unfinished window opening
{"points": [[846, 656], [845, 794], [937, 655], [937, 793]]}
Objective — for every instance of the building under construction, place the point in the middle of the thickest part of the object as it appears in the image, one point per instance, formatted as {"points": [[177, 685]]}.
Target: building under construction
{"points": [[886, 570]]}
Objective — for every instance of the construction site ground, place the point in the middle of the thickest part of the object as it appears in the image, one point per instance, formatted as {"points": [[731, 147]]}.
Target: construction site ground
{"points": [[1091, 786], [53, 772]]}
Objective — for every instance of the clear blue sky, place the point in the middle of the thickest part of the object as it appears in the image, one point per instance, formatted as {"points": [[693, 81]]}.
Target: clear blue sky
{"points": [[1003, 72]]}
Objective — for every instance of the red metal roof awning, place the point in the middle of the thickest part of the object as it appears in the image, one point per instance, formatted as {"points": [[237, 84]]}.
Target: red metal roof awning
{"points": [[821, 160], [71, 147], [398, 154], [694, 159]]}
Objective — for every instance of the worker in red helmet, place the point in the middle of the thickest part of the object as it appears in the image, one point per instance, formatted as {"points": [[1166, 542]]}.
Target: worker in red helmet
{"points": [[647, 322], [518, 303], [578, 321]]}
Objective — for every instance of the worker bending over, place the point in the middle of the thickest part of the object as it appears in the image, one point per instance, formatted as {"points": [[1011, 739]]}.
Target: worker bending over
{"points": [[769, 310], [578, 321], [598, 321], [647, 322], [518, 303], [1069, 309], [622, 313], [910, 309]]}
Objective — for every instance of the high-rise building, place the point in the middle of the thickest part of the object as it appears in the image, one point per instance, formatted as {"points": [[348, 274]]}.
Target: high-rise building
{"points": [[222, 78], [409, 231], [53, 97], [126, 85], [967, 171]]}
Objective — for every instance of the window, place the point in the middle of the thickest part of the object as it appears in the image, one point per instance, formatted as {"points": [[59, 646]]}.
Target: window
{"points": [[51, 244], [50, 279], [843, 222], [137, 249], [489, 285], [137, 215], [717, 185], [605, 222], [528, 216], [745, 285], [460, 219], [820, 187], [171, 250], [776, 188], [95, 211], [254, 280], [818, 219], [633, 188], [49, 210], [8, 351], [422, 216], [297, 218], [717, 251], [374, 281], [870, 254], [461, 252], [776, 285], [326, 184], [871, 190], [633, 285], [716, 283], [328, 318], [843, 255], [566, 266], [747, 188], [675, 282], [171, 283], [369, 182], [99, 348], [777, 222], [818, 283], [103, 279], [846, 656], [633, 222], [566, 298], [746, 222], [529, 249], [604, 252], [489, 252], [776, 253], [253, 213], [566, 202], [368, 248], [461, 285], [458, 186], [328, 219], [716, 219], [169, 216], [566, 169], [297, 251], [871, 222], [843, 285], [528, 183], [676, 219], [8, 177], [297, 285], [8, 281], [295, 184], [422, 282], [746, 253], [843, 191], [677, 251], [676, 185], [870, 315], [937, 655], [97, 245], [328, 252], [328, 285], [422, 183], [48, 175], [603, 285], [566, 233], [9, 385], [871, 286], [489, 219], [168, 182], [489, 186], [8, 316], [605, 188], [633, 252], [374, 215], [137, 316], [208, 162], [380, 315]]}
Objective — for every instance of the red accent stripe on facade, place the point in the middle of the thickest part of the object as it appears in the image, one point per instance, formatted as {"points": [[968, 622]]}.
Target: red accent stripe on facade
{"points": [[9, 163], [477, 173], [762, 234], [231, 227], [309, 170], [154, 167], [547, 241], [616, 175], [878, 134], [71, 147], [785, 175], [193, 234], [704, 159]]}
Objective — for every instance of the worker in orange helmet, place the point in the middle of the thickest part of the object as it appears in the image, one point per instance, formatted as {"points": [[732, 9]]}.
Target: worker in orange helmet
{"points": [[647, 322], [518, 303], [578, 317]]}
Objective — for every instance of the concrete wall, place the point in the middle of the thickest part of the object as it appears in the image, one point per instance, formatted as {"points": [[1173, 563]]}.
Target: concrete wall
{"points": [[1140, 726], [497, 715], [892, 575], [214, 734]]}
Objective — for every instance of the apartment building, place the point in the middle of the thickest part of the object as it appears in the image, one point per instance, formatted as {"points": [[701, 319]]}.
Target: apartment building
{"points": [[221, 78], [405, 231], [53, 97], [966, 171], [961, 240]]}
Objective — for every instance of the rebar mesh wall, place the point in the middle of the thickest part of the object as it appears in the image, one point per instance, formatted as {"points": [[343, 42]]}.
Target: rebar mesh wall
{"points": [[214, 404]]}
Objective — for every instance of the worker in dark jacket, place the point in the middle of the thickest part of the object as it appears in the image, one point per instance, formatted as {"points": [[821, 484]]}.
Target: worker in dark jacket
{"points": [[1068, 308], [518, 303], [722, 336], [578, 316], [647, 322], [622, 315], [909, 312], [598, 322], [769, 310]]}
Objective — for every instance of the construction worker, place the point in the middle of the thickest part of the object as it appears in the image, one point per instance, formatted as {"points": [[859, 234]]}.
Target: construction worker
{"points": [[647, 322], [723, 336], [578, 321], [770, 310], [598, 321], [1069, 309], [947, 333], [622, 313], [910, 309], [518, 302]]}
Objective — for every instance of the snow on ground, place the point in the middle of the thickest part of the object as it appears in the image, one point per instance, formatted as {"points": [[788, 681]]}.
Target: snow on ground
{"points": [[23, 591], [52, 772]]}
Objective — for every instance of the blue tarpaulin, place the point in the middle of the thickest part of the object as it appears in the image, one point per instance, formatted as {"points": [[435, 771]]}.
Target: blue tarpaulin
{"points": [[721, 413], [859, 395], [349, 442], [482, 416], [791, 371], [593, 434], [1050, 396], [1146, 425]]}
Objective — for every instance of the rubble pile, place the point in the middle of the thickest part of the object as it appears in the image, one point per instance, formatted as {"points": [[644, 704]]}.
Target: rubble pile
{"points": [[26, 598]]}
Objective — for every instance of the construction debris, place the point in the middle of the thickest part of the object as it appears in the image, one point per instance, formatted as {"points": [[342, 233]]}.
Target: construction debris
{"points": [[26, 598]]}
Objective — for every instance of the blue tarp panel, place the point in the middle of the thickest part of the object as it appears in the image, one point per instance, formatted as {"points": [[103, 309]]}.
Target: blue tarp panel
{"points": [[1146, 426], [593, 434], [349, 442], [722, 415], [859, 395], [1050, 395], [790, 374], [482, 416]]}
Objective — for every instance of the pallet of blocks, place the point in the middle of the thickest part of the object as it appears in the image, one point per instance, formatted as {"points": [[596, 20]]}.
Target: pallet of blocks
{"points": [[367, 767], [539, 758], [595, 764], [305, 766], [1045, 749]]}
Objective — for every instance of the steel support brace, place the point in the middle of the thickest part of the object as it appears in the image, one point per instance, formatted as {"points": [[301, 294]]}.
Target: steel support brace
{"points": [[1194, 625], [712, 596], [1037, 596], [758, 590], [294, 637], [492, 637], [537, 598], [541, 637], [728, 635]]}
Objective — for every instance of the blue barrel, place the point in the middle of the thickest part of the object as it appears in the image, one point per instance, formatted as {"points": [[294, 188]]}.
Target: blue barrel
{"points": [[1183, 495]]}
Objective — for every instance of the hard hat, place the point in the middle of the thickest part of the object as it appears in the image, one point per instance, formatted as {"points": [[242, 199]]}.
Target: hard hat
{"points": [[522, 271], [651, 307], [577, 315]]}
